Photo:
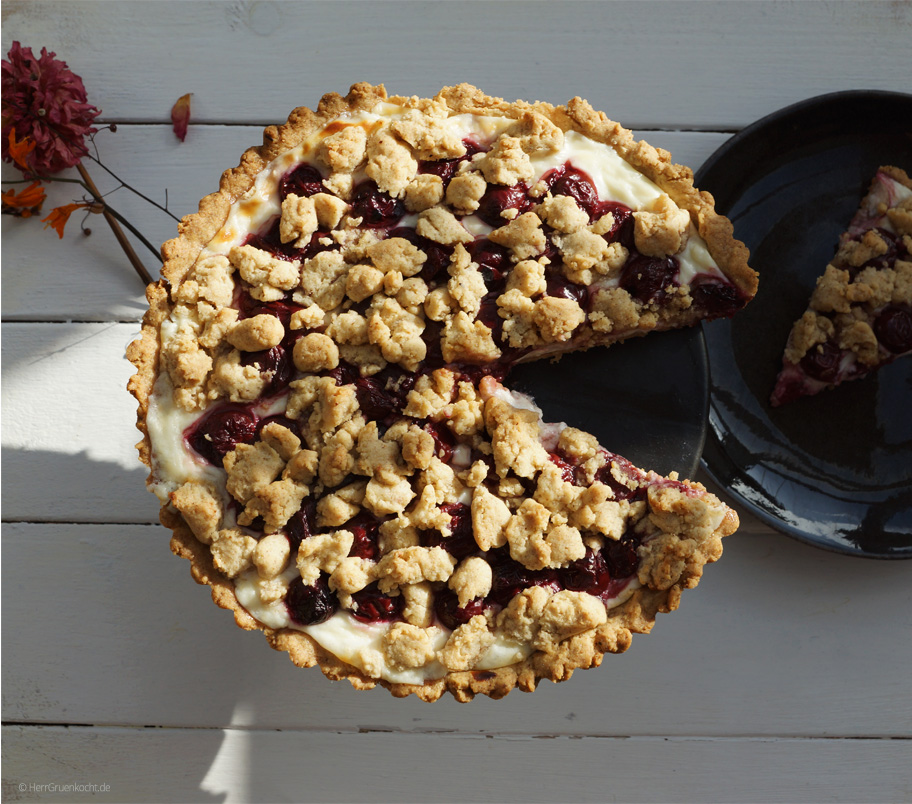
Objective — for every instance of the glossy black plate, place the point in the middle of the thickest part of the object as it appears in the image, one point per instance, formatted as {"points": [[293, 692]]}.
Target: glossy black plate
{"points": [[645, 399], [833, 470]]}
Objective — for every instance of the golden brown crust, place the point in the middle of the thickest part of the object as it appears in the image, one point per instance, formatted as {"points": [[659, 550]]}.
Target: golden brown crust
{"points": [[667, 567]]}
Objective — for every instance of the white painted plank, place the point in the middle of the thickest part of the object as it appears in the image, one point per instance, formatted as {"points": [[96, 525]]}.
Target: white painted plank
{"points": [[715, 65], [69, 425], [255, 766], [102, 625], [46, 278]]}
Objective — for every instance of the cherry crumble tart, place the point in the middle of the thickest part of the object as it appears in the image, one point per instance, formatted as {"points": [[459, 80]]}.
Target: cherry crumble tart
{"points": [[859, 316], [323, 387]]}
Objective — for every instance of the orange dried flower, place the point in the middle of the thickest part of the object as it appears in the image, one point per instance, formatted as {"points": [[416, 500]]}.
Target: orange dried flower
{"points": [[24, 203], [59, 216]]}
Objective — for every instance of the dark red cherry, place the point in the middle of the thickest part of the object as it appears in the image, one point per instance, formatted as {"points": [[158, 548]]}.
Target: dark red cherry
{"points": [[893, 328], [588, 574], [568, 180], [344, 373], [444, 441], [450, 613], [493, 261], [304, 180], [622, 229], [268, 239], [365, 527], [436, 263], [437, 256], [446, 168], [375, 207], [302, 524], [373, 606], [822, 362], [622, 491], [498, 198], [461, 542], [568, 470], [560, 287], [489, 315], [375, 401], [221, 430], [309, 605], [646, 278], [715, 297], [511, 577], [282, 309], [276, 360], [895, 249], [621, 556]]}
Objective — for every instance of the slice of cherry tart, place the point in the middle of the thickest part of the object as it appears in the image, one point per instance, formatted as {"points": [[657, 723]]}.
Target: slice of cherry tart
{"points": [[859, 316], [321, 386]]}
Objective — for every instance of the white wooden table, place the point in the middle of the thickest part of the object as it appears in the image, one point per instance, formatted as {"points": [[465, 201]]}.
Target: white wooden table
{"points": [[787, 676]]}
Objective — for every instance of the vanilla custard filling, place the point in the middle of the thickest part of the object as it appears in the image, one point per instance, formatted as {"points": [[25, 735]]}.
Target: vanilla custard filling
{"points": [[174, 464]]}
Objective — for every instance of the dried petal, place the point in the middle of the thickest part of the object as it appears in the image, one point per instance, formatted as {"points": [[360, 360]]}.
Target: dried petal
{"points": [[180, 116]]}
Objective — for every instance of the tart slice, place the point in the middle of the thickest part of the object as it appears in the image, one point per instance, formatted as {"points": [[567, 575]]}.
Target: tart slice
{"points": [[859, 316], [321, 386]]}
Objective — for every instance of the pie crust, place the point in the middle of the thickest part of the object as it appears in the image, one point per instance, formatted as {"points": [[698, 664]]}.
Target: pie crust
{"points": [[544, 499], [859, 316]]}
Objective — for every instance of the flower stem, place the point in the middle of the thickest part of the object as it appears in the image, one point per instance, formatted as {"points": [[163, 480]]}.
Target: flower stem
{"points": [[132, 189], [115, 227]]}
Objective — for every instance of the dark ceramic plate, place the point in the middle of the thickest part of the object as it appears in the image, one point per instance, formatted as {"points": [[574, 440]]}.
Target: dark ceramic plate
{"points": [[833, 470], [645, 399]]}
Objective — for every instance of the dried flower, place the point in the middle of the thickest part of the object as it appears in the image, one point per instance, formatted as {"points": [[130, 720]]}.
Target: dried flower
{"points": [[46, 121], [19, 151], [59, 216], [26, 203], [180, 116], [44, 104]]}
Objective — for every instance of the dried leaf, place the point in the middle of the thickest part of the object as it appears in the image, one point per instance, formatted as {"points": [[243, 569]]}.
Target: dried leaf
{"points": [[180, 116]]}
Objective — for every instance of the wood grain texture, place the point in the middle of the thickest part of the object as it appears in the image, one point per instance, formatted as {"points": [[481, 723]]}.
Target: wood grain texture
{"points": [[783, 677], [103, 625], [69, 425], [255, 766], [712, 65]]}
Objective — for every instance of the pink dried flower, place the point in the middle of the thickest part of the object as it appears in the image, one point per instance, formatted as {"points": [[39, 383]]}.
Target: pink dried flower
{"points": [[45, 103]]}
